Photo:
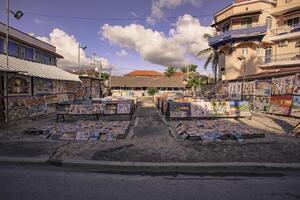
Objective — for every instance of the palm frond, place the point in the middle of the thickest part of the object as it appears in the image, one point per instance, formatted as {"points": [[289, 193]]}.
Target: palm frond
{"points": [[208, 60], [204, 52]]}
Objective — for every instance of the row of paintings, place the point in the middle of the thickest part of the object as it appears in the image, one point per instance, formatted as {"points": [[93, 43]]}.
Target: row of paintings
{"points": [[210, 109], [289, 85]]}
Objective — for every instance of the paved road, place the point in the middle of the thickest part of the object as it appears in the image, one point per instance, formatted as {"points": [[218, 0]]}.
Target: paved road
{"points": [[30, 183]]}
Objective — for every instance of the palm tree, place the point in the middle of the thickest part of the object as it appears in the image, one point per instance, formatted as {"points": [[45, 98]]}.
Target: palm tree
{"points": [[170, 71], [191, 67], [212, 57], [194, 83]]}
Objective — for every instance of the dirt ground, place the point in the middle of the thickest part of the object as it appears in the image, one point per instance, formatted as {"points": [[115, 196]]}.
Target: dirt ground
{"points": [[152, 142]]}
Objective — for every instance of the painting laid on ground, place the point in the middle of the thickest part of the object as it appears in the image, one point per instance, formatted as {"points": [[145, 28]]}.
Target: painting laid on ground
{"points": [[262, 104], [296, 106], [263, 88], [296, 131], [42, 86], [19, 85], [250, 99], [180, 109], [201, 109], [281, 104], [249, 88], [296, 90], [239, 109], [284, 85], [235, 91]]}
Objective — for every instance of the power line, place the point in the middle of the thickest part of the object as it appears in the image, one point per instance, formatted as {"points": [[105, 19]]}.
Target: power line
{"points": [[108, 18]]}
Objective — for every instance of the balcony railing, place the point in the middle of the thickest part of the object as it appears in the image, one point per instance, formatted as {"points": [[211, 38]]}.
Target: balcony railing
{"points": [[286, 29], [280, 58], [237, 33]]}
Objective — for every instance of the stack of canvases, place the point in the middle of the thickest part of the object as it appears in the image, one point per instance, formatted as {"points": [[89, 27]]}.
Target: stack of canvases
{"points": [[28, 98]]}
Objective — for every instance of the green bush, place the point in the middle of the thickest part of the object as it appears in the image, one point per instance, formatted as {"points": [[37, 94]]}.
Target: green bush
{"points": [[152, 91]]}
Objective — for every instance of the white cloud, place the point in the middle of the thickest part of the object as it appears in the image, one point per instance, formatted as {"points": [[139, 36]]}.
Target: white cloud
{"points": [[67, 46], [122, 52], [134, 14], [184, 39], [157, 7]]}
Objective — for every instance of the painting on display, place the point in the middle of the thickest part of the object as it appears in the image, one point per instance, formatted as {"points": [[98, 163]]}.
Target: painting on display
{"points": [[99, 107], [281, 86], [262, 104], [16, 114], [123, 108], [81, 109], [35, 111], [180, 109], [239, 109], [220, 108], [201, 109], [35, 101], [222, 90], [63, 98], [263, 88], [281, 104], [71, 86], [16, 102], [296, 106], [19, 85], [250, 99], [249, 88], [42, 86], [235, 91], [296, 131], [296, 90], [52, 99], [59, 86], [110, 109]]}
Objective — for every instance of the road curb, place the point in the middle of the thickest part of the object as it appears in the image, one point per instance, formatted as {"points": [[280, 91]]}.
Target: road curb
{"points": [[114, 166], [234, 167], [23, 160]]}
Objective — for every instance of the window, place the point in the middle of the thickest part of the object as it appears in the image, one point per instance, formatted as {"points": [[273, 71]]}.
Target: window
{"points": [[293, 22], [283, 43], [268, 54], [258, 51], [246, 22], [39, 57], [225, 27], [245, 51], [269, 22], [21, 52]]}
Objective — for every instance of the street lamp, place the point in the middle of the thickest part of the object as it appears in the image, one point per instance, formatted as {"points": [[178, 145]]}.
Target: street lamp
{"points": [[18, 15], [83, 48]]}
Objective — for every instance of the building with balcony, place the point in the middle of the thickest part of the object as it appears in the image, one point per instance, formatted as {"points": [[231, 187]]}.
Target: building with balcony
{"points": [[255, 35]]}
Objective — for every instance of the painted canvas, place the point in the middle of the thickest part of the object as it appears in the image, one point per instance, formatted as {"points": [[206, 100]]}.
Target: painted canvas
{"points": [[239, 109], [249, 88], [222, 91], [263, 88], [235, 91], [296, 106], [17, 114], [71, 86], [19, 85], [42, 86], [201, 109], [59, 87], [99, 107], [35, 111], [296, 90], [281, 104], [35, 101], [262, 104], [123, 108], [296, 131], [180, 109], [16, 102], [284, 85], [220, 108], [52, 99], [250, 99]]}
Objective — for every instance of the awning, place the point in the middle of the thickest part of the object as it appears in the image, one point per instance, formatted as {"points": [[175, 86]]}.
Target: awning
{"points": [[35, 69]]}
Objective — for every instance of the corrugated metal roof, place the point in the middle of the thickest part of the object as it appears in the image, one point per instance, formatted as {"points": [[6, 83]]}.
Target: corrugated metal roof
{"points": [[36, 69]]}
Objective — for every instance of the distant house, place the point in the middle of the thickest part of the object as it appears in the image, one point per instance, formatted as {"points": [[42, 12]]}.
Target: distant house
{"points": [[144, 73]]}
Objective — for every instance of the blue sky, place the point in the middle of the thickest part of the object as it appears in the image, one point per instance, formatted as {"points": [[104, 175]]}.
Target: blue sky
{"points": [[41, 17]]}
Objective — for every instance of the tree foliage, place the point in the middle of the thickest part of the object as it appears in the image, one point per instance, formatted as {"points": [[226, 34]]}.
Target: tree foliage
{"points": [[152, 91], [170, 71]]}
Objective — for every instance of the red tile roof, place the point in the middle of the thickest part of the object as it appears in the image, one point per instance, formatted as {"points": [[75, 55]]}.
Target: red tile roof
{"points": [[144, 73]]}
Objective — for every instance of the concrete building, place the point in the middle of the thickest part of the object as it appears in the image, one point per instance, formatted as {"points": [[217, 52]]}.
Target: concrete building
{"points": [[255, 36]]}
